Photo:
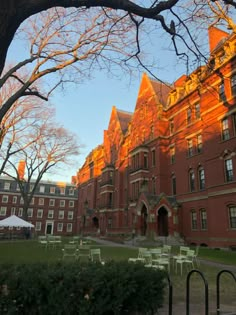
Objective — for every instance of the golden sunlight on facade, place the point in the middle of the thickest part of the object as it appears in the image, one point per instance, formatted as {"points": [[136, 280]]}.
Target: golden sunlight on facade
{"points": [[168, 170]]}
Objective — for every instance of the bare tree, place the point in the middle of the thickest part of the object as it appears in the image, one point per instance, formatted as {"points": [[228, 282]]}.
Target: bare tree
{"points": [[54, 146]]}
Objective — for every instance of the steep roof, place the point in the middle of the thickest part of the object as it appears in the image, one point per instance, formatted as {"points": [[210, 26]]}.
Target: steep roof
{"points": [[124, 119], [162, 90]]}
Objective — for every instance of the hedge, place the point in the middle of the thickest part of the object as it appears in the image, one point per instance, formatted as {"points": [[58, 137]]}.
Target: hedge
{"points": [[81, 288]]}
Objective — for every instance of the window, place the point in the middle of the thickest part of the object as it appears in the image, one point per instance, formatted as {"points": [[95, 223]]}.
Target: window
{"points": [[38, 226], [199, 143], [3, 211], [145, 160], [62, 203], [229, 170], [62, 190], [233, 84], [234, 122], [232, 217], [189, 116], [197, 111], [71, 203], [13, 210], [14, 199], [30, 212], [203, 216], [109, 223], [191, 180], [61, 214], [69, 227], [190, 147], [171, 126], [42, 189], [173, 183], [50, 214], [222, 92], [59, 227], [194, 220], [201, 176], [153, 157], [71, 191], [172, 155], [21, 201], [20, 212], [32, 201], [4, 199], [17, 187], [41, 201], [7, 186], [40, 213], [52, 190], [52, 202], [70, 215], [225, 129]]}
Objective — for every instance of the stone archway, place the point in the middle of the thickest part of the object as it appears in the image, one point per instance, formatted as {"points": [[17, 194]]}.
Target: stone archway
{"points": [[162, 222], [143, 220]]}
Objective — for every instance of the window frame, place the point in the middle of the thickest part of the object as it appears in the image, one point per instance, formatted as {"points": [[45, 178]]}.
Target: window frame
{"points": [[232, 218], [201, 179], [203, 219], [225, 133], [229, 171], [191, 174]]}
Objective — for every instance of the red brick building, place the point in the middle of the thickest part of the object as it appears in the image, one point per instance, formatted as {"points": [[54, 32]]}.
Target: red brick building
{"points": [[168, 169], [53, 209]]}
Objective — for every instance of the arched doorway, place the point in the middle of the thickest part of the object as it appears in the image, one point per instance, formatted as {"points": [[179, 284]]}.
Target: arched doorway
{"points": [[162, 222], [95, 222], [143, 220]]}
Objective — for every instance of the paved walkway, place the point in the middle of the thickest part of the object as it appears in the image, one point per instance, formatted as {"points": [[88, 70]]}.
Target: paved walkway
{"points": [[179, 308]]}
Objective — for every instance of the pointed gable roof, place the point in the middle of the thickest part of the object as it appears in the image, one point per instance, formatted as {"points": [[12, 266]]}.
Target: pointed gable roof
{"points": [[216, 37], [124, 119]]}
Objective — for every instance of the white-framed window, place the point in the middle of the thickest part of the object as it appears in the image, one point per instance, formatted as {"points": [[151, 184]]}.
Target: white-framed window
{"points": [[7, 186], [14, 199], [38, 226], [199, 143], [32, 201], [20, 212], [69, 227], [41, 201], [30, 212], [229, 174], [71, 204], [39, 213], [191, 180], [52, 202], [190, 147], [71, 191], [50, 214], [225, 129], [70, 215], [62, 203], [61, 214], [52, 190], [13, 210], [21, 201], [42, 189], [4, 199], [60, 227], [62, 190], [201, 178], [3, 211]]}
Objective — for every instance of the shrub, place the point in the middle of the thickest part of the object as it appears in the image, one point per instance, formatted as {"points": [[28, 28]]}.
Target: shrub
{"points": [[84, 289]]}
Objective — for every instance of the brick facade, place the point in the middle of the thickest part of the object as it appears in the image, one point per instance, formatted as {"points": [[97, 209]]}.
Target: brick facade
{"points": [[169, 168]]}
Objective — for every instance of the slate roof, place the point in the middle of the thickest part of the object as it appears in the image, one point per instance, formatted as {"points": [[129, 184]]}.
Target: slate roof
{"points": [[162, 90], [124, 119]]}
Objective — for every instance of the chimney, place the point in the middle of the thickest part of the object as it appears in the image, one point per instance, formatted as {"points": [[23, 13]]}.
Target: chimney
{"points": [[215, 36], [21, 169]]}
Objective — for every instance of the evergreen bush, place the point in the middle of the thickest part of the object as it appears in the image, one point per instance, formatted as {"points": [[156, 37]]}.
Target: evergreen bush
{"points": [[81, 288]]}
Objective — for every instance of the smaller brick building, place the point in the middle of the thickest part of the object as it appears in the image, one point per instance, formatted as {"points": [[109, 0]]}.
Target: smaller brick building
{"points": [[53, 209]]}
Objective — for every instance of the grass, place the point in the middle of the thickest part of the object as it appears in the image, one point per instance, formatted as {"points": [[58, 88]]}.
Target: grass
{"points": [[29, 251]]}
